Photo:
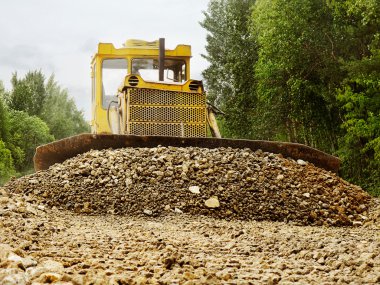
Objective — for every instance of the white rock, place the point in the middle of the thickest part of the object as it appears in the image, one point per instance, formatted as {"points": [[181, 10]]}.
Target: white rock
{"points": [[307, 195], [301, 162], [26, 262], [363, 217], [41, 207], [194, 189], [148, 212], [52, 266], [167, 207], [178, 211], [280, 177], [14, 257], [212, 202], [128, 182], [34, 272]]}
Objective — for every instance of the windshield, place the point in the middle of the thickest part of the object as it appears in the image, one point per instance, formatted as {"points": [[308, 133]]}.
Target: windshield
{"points": [[147, 68]]}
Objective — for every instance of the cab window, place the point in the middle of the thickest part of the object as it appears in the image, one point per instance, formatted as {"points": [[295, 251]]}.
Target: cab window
{"points": [[147, 68], [113, 72]]}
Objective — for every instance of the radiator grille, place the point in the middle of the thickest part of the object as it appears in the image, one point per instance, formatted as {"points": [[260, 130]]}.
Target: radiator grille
{"points": [[167, 113], [172, 130], [169, 98]]}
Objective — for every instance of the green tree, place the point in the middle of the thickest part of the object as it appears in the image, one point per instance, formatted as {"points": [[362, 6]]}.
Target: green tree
{"points": [[27, 132], [4, 120], [232, 53], [360, 146], [60, 112], [6, 163], [359, 94], [296, 71], [357, 23], [31, 114], [28, 94]]}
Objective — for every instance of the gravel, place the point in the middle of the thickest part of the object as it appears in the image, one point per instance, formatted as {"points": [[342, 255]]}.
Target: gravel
{"points": [[221, 183], [39, 245], [187, 216]]}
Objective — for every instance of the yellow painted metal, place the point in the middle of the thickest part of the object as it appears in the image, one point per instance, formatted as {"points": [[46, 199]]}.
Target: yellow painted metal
{"points": [[132, 49]]}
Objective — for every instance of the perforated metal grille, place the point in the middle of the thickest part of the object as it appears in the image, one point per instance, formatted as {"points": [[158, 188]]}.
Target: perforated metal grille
{"points": [[161, 97], [173, 130], [167, 113]]}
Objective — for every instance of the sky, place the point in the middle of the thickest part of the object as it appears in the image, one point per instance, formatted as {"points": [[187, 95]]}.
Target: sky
{"points": [[60, 36]]}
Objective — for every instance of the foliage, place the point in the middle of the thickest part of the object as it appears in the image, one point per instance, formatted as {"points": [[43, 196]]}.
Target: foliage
{"points": [[31, 114], [232, 53], [60, 112], [38, 113], [28, 132], [6, 163], [4, 121], [28, 94], [296, 70], [360, 146], [358, 22]]}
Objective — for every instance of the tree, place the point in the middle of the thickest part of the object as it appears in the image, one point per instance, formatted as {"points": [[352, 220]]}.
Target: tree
{"points": [[232, 53], [47, 101], [60, 112], [4, 120], [296, 71], [6, 163], [359, 92], [27, 132], [357, 22], [360, 146], [31, 114], [28, 94]]}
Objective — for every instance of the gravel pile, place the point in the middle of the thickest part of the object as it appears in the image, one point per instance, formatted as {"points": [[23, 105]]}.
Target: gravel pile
{"points": [[221, 183]]}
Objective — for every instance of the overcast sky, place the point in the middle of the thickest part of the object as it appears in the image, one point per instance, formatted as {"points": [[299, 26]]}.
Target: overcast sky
{"points": [[61, 36]]}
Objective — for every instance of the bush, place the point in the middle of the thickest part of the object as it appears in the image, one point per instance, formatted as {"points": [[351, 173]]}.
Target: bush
{"points": [[6, 163], [27, 132]]}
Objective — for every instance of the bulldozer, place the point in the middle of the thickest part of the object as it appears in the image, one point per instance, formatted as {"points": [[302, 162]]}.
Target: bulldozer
{"points": [[143, 96]]}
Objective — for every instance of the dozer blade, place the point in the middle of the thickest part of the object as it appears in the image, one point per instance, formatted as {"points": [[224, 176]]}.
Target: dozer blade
{"points": [[59, 151]]}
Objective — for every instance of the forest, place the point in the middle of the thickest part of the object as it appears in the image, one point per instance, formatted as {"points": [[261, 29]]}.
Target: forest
{"points": [[35, 111], [300, 71]]}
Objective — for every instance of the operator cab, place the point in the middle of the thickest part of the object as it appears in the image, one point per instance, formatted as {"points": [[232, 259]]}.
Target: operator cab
{"points": [[110, 67]]}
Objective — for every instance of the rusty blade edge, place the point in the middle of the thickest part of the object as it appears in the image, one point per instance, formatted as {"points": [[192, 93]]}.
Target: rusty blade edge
{"points": [[59, 151]]}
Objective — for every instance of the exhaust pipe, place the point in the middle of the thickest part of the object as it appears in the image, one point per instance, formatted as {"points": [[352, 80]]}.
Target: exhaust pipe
{"points": [[161, 59]]}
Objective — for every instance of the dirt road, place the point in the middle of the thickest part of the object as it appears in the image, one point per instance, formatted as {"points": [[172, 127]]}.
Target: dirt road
{"points": [[179, 249]]}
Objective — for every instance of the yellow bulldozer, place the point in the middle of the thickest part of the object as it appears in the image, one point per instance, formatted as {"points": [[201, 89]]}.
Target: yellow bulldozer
{"points": [[142, 96]]}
